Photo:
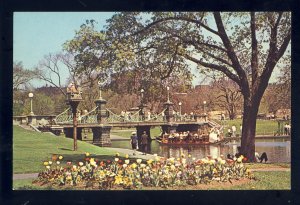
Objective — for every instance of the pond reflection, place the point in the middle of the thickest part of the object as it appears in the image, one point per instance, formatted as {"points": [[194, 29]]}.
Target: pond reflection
{"points": [[278, 150]]}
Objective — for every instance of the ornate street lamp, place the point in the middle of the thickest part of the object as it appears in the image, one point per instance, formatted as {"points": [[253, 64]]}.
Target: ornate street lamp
{"points": [[30, 95], [180, 108], [74, 97], [142, 110], [204, 104], [142, 96], [100, 103]]}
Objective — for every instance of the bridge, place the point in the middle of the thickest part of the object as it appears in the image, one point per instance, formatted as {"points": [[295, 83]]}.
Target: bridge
{"points": [[101, 119]]}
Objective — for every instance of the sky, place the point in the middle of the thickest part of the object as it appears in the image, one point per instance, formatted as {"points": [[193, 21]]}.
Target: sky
{"points": [[37, 34]]}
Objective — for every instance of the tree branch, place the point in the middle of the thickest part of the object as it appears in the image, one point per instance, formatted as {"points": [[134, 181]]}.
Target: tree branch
{"points": [[175, 18], [243, 81], [223, 69], [254, 53]]}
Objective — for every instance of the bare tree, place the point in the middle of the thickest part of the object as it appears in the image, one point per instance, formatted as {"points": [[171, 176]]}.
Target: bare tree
{"points": [[50, 70], [21, 76], [229, 96]]}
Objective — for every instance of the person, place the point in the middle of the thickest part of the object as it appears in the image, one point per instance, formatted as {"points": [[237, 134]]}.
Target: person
{"points": [[229, 132], [222, 116], [238, 154], [263, 157], [289, 129], [229, 156], [144, 142], [133, 141], [256, 156], [241, 128], [285, 129], [149, 115], [233, 128]]}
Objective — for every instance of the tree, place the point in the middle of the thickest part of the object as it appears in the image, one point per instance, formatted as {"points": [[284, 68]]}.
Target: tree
{"points": [[228, 96], [41, 105], [21, 76], [246, 47], [52, 68], [113, 60]]}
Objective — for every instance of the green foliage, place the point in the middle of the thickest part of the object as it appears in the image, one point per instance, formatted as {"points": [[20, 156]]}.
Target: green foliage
{"points": [[41, 105], [30, 149]]}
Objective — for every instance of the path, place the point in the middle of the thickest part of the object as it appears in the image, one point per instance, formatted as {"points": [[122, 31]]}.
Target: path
{"points": [[118, 138]]}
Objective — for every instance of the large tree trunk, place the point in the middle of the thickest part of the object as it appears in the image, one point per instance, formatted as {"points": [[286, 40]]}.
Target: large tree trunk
{"points": [[249, 128]]}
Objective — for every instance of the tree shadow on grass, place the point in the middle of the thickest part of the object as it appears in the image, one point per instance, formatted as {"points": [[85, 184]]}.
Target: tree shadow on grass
{"points": [[65, 149]]}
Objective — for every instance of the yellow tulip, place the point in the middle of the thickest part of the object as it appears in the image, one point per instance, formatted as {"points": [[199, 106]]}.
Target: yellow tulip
{"points": [[60, 157], [87, 154], [46, 163], [134, 165], [126, 156], [149, 161]]}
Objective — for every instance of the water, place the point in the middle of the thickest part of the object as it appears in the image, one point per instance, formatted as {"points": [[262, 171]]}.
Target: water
{"points": [[278, 150]]}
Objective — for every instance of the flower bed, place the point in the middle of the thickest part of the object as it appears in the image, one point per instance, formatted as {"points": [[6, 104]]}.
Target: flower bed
{"points": [[139, 174]]}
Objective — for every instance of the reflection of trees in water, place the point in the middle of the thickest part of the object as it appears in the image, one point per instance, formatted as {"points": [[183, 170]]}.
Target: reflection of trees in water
{"points": [[276, 153]]}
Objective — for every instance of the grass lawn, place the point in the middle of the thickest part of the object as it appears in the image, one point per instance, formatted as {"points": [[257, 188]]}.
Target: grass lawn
{"points": [[267, 180], [126, 133], [30, 149], [263, 127]]}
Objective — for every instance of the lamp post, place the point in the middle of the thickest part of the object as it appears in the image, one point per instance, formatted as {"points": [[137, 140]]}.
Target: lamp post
{"points": [[100, 92], [168, 88], [100, 103], [180, 109], [30, 95], [204, 104], [142, 111], [73, 99], [142, 96]]}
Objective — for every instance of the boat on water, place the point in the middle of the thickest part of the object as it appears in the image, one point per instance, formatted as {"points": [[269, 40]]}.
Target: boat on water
{"points": [[208, 139]]}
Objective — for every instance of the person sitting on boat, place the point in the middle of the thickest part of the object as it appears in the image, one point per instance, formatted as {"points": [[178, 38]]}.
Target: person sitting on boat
{"points": [[171, 138], [196, 137], [176, 137], [213, 137], [181, 136], [188, 136]]}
